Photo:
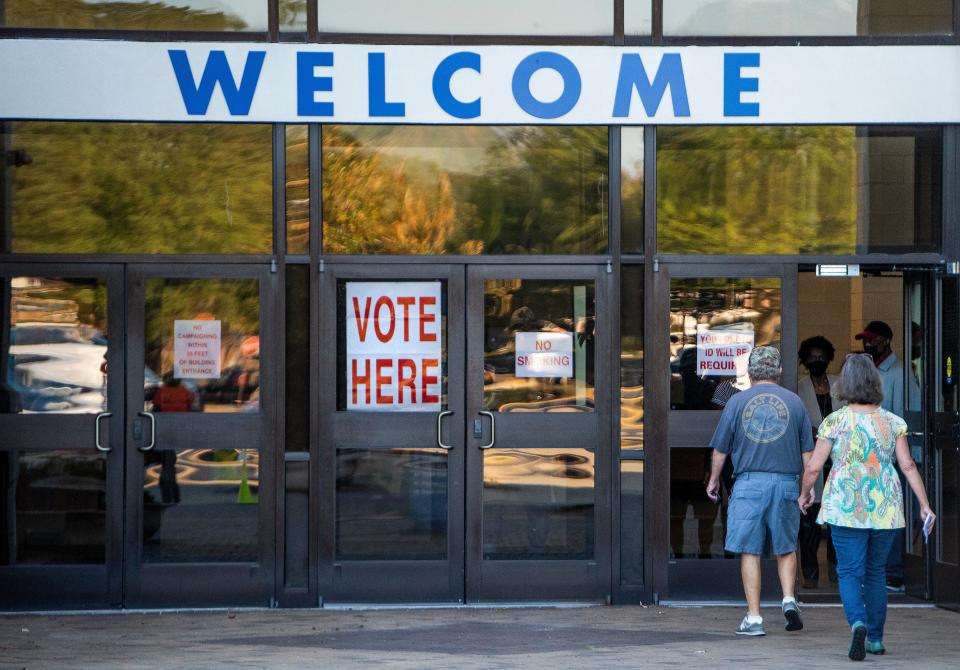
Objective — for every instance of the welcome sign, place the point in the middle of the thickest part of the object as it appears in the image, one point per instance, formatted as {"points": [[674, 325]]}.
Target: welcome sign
{"points": [[353, 83]]}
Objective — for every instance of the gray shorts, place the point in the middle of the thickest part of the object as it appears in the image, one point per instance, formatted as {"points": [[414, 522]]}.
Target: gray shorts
{"points": [[763, 514]]}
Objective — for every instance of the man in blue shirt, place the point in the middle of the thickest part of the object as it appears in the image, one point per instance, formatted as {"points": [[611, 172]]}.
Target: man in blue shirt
{"points": [[767, 434], [876, 338]]}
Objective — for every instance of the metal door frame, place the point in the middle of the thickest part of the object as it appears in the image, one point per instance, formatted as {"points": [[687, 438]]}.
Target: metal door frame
{"points": [[84, 585], [698, 579], [945, 577], [388, 580], [505, 580], [202, 584]]}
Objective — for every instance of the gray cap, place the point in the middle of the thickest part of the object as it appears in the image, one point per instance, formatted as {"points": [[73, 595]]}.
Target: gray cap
{"points": [[764, 364]]}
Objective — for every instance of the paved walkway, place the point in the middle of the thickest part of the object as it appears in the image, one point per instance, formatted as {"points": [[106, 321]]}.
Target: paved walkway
{"points": [[465, 638]]}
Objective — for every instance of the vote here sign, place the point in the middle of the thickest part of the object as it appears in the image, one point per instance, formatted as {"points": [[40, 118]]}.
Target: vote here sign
{"points": [[196, 349], [394, 346], [719, 350], [544, 355]]}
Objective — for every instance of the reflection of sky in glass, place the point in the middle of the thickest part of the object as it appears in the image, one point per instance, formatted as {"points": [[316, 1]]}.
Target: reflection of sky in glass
{"points": [[631, 152], [251, 12], [531, 17], [760, 17], [636, 16]]}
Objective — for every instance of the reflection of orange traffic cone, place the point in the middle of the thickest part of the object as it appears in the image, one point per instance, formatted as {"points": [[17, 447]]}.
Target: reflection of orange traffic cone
{"points": [[244, 494]]}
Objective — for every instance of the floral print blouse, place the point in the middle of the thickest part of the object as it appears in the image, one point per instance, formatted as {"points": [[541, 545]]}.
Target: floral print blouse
{"points": [[863, 489]]}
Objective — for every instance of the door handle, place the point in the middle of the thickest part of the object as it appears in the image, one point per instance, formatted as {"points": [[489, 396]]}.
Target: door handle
{"points": [[916, 433], [96, 431], [493, 430], [440, 428], [153, 430]]}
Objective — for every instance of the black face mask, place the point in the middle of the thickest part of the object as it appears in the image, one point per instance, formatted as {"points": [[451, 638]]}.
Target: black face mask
{"points": [[871, 349], [817, 368]]}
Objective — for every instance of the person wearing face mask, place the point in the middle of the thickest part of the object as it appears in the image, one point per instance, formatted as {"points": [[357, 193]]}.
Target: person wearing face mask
{"points": [[876, 338], [816, 391]]}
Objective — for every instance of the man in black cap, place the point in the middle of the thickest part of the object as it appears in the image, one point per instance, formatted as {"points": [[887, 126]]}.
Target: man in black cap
{"points": [[876, 339]]}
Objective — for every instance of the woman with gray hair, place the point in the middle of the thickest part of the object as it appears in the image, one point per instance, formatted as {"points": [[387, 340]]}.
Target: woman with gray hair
{"points": [[862, 498]]}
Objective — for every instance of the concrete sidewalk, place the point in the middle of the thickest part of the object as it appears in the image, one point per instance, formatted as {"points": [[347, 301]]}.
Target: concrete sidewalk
{"points": [[466, 638]]}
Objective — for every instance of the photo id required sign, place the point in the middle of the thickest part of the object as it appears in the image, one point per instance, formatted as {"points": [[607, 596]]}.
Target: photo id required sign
{"points": [[196, 349], [394, 346], [544, 355], [719, 350]]}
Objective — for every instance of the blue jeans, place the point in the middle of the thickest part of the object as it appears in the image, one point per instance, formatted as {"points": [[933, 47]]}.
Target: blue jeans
{"points": [[861, 570]]}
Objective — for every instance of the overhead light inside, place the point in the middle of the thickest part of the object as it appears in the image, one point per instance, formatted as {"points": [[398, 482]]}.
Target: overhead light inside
{"points": [[826, 270]]}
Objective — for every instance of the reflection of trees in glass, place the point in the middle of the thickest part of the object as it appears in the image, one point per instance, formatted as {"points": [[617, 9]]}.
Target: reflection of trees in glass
{"points": [[119, 15], [142, 188], [234, 302], [391, 189], [298, 190], [293, 14], [771, 189]]}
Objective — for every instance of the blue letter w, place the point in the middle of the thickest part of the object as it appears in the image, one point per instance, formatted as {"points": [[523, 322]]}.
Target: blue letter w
{"points": [[197, 98]]}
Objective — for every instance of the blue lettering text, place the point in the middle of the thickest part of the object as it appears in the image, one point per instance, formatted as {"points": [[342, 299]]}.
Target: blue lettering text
{"points": [[377, 88], [197, 98], [462, 60], [734, 84], [634, 76], [554, 61], [308, 83]]}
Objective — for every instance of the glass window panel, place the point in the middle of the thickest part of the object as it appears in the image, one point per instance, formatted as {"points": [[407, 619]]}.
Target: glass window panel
{"points": [[631, 189], [637, 16], [431, 17], [538, 504], [231, 307], [392, 346], [53, 507], [539, 345], [296, 522], [948, 523], [465, 190], [200, 505], [631, 358], [140, 188], [298, 190], [297, 401], [798, 190], [293, 15], [802, 17], [391, 504], [741, 314], [56, 360], [211, 15], [697, 525], [631, 522], [948, 394]]}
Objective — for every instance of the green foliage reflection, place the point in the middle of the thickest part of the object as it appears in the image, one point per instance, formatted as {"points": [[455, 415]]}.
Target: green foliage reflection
{"points": [[467, 190], [141, 188], [773, 189], [120, 15]]}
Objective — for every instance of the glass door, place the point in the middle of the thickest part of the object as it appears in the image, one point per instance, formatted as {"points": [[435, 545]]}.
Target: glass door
{"points": [[201, 389], [918, 331], [945, 496], [61, 435], [391, 449], [717, 314], [537, 423]]}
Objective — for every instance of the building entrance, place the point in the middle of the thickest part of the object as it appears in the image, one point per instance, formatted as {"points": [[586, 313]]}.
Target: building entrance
{"points": [[136, 449], [716, 315], [463, 429]]}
